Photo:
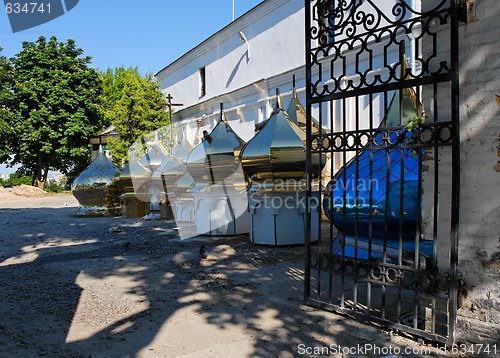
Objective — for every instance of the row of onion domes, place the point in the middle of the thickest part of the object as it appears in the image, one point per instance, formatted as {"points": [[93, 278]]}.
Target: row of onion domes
{"points": [[277, 151]]}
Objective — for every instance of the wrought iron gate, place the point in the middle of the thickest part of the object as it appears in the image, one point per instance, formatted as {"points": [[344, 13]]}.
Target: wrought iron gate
{"points": [[382, 81]]}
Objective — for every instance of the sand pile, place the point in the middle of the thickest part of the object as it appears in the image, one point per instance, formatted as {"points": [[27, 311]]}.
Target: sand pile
{"points": [[21, 190]]}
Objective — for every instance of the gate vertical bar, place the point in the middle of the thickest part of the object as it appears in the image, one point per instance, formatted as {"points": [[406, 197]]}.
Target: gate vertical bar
{"points": [[382, 246], [307, 268], [455, 196]]}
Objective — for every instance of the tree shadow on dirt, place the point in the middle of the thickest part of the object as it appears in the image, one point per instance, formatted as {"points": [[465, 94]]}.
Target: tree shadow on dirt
{"points": [[140, 291]]}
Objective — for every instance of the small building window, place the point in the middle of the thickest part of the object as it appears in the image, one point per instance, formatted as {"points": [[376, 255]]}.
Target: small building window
{"points": [[203, 84]]}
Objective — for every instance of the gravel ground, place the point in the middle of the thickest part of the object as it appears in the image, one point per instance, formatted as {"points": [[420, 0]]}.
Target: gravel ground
{"points": [[114, 287]]}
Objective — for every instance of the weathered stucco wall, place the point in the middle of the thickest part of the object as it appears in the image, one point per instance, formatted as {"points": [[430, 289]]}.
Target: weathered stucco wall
{"points": [[479, 245]]}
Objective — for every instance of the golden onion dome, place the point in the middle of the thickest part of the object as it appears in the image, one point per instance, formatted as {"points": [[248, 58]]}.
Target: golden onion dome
{"points": [[134, 178], [278, 150], [217, 156], [156, 180], [172, 167], [95, 188], [297, 114], [154, 156], [171, 172], [183, 184], [181, 151]]}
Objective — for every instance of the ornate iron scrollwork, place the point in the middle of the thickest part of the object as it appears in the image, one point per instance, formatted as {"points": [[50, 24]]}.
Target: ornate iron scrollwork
{"points": [[354, 28], [389, 126]]}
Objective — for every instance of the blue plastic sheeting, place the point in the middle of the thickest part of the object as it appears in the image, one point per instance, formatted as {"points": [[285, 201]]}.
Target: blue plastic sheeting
{"points": [[379, 182], [389, 170]]}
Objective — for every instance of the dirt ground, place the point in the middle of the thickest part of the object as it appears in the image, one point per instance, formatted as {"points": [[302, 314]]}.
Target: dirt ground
{"points": [[114, 287], [11, 194]]}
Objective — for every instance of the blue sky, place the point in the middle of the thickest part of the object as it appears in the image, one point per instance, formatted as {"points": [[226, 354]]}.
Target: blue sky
{"points": [[148, 34]]}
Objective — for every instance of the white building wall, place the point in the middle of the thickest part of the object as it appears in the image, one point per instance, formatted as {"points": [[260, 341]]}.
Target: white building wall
{"points": [[479, 242], [275, 34], [244, 76], [479, 225]]}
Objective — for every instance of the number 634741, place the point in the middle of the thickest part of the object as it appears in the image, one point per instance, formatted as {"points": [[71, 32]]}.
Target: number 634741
{"points": [[27, 8]]}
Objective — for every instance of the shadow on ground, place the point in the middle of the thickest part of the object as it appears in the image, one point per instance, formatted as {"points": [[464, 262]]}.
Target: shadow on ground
{"points": [[112, 287]]}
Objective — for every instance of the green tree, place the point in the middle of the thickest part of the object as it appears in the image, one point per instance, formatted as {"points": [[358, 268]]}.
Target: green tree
{"points": [[134, 105], [6, 82], [57, 101], [17, 178]]}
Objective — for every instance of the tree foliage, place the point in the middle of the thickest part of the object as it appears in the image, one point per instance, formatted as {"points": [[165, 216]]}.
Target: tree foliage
{"points": [[134, 105], [17, 178], [57, 101], [6, 82]]}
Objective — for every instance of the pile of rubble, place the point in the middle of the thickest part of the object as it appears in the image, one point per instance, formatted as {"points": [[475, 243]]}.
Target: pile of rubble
{"points": [[21, 190]]}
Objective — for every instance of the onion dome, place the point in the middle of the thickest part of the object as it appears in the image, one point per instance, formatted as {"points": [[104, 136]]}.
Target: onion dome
{"points": [[96, 190], [175, 168], [181, 151], [134, 178], [195, 162], [172, 167], [390, 209], [171, 171], [217, 156], [278, 150], [297, 113], [184, 184], [155, 155], [156, 180]]}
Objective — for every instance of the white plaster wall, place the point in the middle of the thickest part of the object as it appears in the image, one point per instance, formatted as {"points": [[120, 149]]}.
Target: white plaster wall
{"points": [[479, 245], [275, 34], [246, 86], [479, 225]]}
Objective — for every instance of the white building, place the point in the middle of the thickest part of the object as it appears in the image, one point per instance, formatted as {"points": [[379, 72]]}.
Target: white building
{"points": [[240, 66], [243, 64]]}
